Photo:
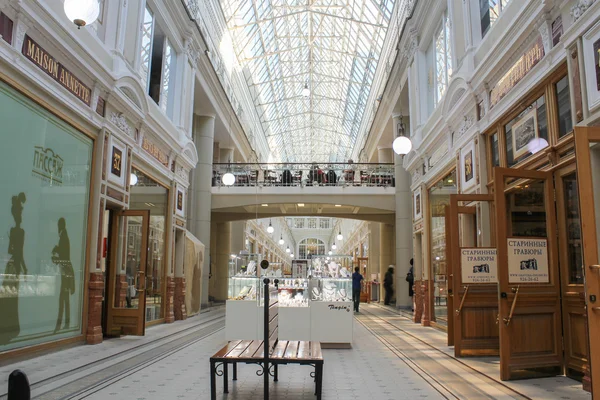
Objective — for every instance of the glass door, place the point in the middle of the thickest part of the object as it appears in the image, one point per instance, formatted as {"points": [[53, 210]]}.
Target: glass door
{"points": [[587, 149], [472, 282], [127, 285], [529, 281]]}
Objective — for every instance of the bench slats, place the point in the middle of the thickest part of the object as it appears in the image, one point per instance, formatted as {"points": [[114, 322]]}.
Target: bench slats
{"points": [[239, 349], [292, 350], [280, 349], [315, 351], [304, 350], [228, 347], [251, 350]]}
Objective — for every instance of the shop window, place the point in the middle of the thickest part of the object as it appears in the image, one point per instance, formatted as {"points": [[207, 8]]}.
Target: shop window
{"points": [[527, 133], [324, 223], [443, 60], [439, 198], [6, 28], [169, 67], [430, 65], [565, 122], [573, 229], [312, 223], [490, 10], [43, 224], [495, 152], [299, 223]]}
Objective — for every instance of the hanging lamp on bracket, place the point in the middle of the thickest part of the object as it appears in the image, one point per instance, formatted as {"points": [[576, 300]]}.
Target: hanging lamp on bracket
{"points": [[402, 145]]}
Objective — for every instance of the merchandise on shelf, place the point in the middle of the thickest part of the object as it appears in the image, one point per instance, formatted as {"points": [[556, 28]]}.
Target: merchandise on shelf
{"points": [[243, 277]]}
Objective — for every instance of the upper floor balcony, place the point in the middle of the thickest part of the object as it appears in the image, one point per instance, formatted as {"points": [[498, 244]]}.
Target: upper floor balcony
{"points": [[301, 175]]}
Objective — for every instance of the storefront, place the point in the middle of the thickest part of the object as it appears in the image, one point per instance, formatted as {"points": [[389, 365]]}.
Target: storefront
{"points": [[46, 182]]}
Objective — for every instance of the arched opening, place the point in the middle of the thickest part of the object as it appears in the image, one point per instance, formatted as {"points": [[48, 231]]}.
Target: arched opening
{"points": [[310, 246]]}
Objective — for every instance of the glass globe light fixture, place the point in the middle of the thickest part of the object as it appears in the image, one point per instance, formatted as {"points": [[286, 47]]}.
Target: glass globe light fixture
{"points": [[228, 179], [330, 252], [305, 91], [288, 249], [82, 12], [402, 145], [333, 246], [339, 236], [537, 144], [281, 241], [292, 255], [270, 228], [133, 179]]}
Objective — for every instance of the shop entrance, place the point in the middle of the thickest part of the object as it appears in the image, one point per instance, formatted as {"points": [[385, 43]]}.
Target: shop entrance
{"points": [[126, 292], [472, 276], [587, 149], [530, 312]]}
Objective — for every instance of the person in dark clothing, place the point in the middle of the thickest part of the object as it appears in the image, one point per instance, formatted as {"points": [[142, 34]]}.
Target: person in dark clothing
{"points": [[388, 285], [61, 256], [356, 285], [410, 278]]}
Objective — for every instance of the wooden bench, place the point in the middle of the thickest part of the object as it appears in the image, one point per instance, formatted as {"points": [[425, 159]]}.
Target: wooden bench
{"points": [[280, 352]]}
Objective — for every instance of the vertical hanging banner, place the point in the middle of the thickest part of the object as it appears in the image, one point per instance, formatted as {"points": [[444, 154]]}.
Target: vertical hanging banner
{"points": [[528, 260], [479, 265]]}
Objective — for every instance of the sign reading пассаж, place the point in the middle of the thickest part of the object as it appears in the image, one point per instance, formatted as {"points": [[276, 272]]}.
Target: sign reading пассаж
{"points": [[478, 265], [527, 260], [56, 70]]}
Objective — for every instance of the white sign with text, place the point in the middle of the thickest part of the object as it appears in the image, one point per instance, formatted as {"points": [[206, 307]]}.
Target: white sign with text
{"points": [[528, 260], [479, 265]]}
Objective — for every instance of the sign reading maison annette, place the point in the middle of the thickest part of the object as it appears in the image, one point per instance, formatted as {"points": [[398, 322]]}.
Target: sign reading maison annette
{"points": [[478, 265], [527, 260], [56, 70]]}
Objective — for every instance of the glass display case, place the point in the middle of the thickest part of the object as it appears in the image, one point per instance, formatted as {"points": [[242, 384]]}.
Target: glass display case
{"points": [[331, 289], [335, 266], [293, 292], [243, 277]]}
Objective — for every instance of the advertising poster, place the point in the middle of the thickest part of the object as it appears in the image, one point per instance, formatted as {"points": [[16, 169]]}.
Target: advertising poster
{"points": [[528, 260], [479, 265], [45, 182]]}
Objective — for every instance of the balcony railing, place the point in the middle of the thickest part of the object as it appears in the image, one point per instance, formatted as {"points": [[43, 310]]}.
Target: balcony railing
{"points": [[301, 174]]}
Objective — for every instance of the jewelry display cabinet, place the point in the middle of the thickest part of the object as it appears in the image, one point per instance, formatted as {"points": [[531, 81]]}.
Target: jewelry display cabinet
{"points": [[242, 316]]}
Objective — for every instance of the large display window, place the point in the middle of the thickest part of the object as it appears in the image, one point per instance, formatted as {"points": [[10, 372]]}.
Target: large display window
{"points": [[45, 168], [439, 198]]}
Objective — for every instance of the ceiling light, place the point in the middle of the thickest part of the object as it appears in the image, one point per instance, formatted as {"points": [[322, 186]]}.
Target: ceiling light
{"points": [[82, 12], [330, 252], [305, 91], [450, 180], [270, 228], [333, 246], [288, 249], [300, 204], [133, 179], [228, 179], [265, 205], [292, 255], [338, 205], [281, 240], [339, 236], [402, 145]]}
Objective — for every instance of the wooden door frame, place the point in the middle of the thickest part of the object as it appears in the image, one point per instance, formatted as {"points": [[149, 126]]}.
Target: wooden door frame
{"points": [[450, 270], [508, 296], [127, 313], [457, 287], [583, 137]]}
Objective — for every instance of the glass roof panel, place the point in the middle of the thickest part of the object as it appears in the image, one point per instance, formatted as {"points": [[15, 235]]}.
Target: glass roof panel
{"points": [[330, 46]]}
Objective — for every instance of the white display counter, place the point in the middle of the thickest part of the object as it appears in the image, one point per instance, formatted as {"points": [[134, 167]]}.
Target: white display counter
{"points": [[294, 323], [331, 322], [242, 320]]}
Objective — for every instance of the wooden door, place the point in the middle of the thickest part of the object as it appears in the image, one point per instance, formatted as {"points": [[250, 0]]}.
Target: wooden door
{"points": [[587, 149], [126, 297], [571, 272], [475, 294], [528, 274], [449, 275]]}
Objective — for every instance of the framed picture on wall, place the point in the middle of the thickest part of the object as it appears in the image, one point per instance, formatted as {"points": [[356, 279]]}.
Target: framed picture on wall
{"points": [[418, 204], [523, 132], [179, 201], [468, 166], [118, 162]]}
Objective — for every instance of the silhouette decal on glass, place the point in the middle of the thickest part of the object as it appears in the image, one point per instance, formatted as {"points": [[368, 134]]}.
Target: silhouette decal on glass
{"points": [[61, 256], [9, 303]]}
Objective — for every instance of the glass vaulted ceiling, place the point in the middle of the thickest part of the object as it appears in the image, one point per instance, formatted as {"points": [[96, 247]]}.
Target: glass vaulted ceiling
{"points": [[330, 46]]}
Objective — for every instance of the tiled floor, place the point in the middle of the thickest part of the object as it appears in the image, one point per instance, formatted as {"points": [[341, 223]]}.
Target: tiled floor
{"points": [[391, 359]]}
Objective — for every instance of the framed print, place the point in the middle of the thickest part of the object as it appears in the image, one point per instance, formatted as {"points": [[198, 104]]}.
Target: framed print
{"points": [[468, 166], [523, 132], [418, 206], [179, 201]]}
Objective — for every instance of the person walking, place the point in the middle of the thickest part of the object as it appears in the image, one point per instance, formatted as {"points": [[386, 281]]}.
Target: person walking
{"points": [[388, 285], [356, 285]]}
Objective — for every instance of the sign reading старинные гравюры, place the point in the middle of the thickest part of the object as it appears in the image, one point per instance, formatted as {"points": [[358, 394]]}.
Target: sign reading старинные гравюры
{"points": [[478, 265], [527, 260]]}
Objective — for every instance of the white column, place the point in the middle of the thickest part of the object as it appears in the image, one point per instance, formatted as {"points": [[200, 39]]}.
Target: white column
{"points": [[404, 245], [200, 210], [385, 153], [226, 155]]}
